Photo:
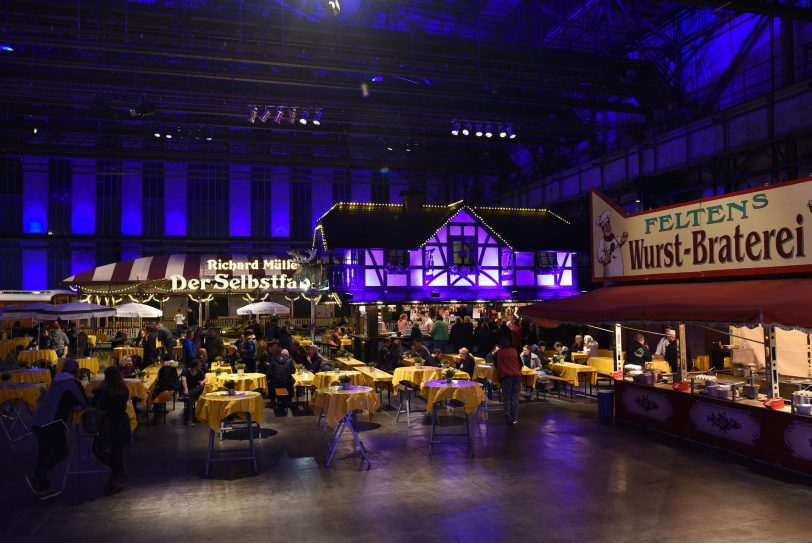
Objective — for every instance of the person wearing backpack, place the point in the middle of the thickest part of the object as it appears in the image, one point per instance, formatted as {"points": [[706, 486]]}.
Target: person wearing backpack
{"points": [[51, 425], [249, 351], [114, 431]]}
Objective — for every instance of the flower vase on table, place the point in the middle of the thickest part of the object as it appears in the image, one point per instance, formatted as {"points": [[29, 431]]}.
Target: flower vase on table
{"points": [[240, 369], [345, 382], [449, 376], [230, 388]]}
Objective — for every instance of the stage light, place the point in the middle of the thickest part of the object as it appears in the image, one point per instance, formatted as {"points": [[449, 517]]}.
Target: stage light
{"points": [[388, 148], [467, 129], [511, 134], [209, 138], [502, 132], [335, 7], [478, 130], [36, 130], [317, 118], [304, 117], [7, 48], [455, 128], [143, 109], [252, 115], [489, 131], [169, 136], [277, 118], [265, 115], [292, 116], [376, 78], [157, 134]]}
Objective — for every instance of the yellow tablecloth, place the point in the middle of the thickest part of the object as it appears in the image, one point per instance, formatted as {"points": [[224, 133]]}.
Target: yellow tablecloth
{"points": [[487, 371], [224, 368], [415, 375], [10, 345], [350, 363], [130, 410], [326, 378], [213, 407], [91, 341], [372, 376], [152, 369], [579, 358], [336, 404], [661, 365], [32, 376], [118, 352], [346, 343], [27, 393], [602, 363], [305, 379], [454, 359], [304, 342], [571, 372], [90, 364], [137, 388], [468, 392], [29, 357], [242, 383], [702, 363]]}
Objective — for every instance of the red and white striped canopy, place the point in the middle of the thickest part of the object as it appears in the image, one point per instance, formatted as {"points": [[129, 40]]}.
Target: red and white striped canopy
{"points": [[156, 268]]}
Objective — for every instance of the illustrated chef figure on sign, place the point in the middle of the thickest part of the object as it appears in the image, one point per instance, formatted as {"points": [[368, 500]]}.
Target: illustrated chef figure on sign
{"points": [[609, 253]]}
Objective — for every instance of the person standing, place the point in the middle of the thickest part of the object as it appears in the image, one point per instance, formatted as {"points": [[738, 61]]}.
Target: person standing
{"points": [[439, 334], [671, 355], [214, 344], [187, 348], [248, 351], [638, 352], [509, 369], [59, 340], [180, 319], [192, 382], [112, 397], [659, 351], [51, 425]]}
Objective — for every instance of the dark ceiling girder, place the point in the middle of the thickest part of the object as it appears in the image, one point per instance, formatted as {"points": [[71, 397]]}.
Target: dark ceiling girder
{"points": [[758, 7]]}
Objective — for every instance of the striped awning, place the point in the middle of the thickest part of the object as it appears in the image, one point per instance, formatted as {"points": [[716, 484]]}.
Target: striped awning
{"points": [[157, 268]]}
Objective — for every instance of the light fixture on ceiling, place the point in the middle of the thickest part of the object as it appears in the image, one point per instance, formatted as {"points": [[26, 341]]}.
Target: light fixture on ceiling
{"points": [[467, 129], [478, 132], [455, 128], [143, 109], [335, 7], [265, 115], [489, 131], [317, 117], [502, 132], [36, 130], [169, 136], [511, 133], [252, 114], [305, 116], [277, 118], [157, 134], [292, 115]]}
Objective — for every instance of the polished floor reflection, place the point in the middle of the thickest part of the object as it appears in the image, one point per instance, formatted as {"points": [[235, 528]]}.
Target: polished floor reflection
{"points": [[559, 475]]}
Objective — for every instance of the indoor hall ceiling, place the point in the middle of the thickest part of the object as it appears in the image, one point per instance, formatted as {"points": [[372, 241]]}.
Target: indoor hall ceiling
{"points": [[77, 68]]}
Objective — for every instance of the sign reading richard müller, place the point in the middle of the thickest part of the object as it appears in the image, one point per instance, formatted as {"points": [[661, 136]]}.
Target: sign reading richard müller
{"points": [[236, 275], [744, 233]]}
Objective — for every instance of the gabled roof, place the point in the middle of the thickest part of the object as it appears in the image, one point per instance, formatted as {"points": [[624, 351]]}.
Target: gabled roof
{"points": [[349, 225]]}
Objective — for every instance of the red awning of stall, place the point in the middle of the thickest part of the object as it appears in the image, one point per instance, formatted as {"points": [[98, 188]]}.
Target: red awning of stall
{"points": [[782, 302]]}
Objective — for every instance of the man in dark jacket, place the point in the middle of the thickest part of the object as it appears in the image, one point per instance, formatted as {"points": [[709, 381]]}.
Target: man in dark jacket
{"points": [[467, 362], [248, 351], [280, 373], [638, 352], [314, 359], [52, 421], [214, 344]]}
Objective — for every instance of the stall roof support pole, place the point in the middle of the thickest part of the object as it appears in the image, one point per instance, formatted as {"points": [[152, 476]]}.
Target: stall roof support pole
{"points": [[809, 356], [682, 348], [771, 364], [618, 347]]}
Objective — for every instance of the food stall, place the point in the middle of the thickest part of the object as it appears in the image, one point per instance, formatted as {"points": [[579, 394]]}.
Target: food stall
{"points": [[709, 406]]}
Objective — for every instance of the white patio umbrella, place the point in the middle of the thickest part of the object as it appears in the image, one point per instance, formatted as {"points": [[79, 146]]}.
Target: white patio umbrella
{"points": [[137, 311], [76, 311], [263, 308]]}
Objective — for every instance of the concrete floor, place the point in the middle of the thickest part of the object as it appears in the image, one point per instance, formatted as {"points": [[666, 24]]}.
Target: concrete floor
{"points": [[560, 475]]}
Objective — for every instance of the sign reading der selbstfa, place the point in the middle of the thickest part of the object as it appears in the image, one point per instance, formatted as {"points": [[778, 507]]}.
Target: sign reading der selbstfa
{"points": [[745, 233], [236, 275]]}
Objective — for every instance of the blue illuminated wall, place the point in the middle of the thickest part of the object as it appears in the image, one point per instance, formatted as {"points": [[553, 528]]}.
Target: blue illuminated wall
{"points": [[175, 199], [239, 201], [35, 269], [83, 197], [35, 195], [132, 199], [280, 206]]}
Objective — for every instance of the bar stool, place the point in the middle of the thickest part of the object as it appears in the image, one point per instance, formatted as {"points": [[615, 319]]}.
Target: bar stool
{"points": [[407, 388]]}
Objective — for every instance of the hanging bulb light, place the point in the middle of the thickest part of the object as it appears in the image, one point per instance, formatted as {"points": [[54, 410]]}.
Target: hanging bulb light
{"points": [[252, 115], [277, 118], [467, 129], [265, 115], [489, 131], [304, 117], [292, 116], [502, 132], [478, 132], [455, 128], [317, 117], [511, 133]]}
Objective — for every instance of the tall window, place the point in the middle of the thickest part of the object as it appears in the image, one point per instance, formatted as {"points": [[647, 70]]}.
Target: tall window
{"points": [[11, 195], [301, 204], [207, 203], [108, 197], [261, 184], [342, 186], [152, 209], [59, 196], [380, 188], [463, 252]]}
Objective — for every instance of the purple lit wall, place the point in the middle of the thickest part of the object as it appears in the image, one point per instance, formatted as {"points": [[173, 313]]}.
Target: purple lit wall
{"points": [[175, 199], [82, 260], [280, 204], [35, 268], [35, 197], [83, 197], [239, 201], [322, 193], [131, 199], [361, 186]]}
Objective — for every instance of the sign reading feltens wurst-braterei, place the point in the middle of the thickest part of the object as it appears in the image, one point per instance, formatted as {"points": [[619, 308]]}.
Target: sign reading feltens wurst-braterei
{"points": [[750, 232]]}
